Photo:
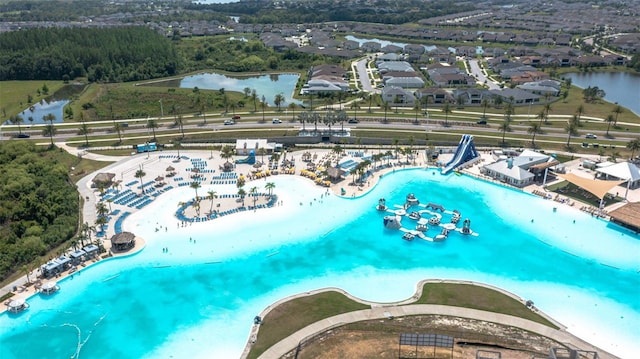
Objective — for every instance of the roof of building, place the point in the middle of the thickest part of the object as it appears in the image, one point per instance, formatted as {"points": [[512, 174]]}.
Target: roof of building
{"points": [[629, 213], [623, 170], [123, 238]]}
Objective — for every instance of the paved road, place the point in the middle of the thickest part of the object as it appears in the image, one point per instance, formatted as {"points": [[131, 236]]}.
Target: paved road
{"points": [[477, 72], [363, 75]]}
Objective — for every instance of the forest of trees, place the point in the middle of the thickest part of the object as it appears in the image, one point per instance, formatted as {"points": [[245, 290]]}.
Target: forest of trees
{"points": [[38, 203], [377, 11], [102, 55]]}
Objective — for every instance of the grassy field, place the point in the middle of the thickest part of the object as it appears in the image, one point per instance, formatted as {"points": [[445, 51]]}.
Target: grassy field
{"points": [[476, 297], [293, 315], [14, 95]]}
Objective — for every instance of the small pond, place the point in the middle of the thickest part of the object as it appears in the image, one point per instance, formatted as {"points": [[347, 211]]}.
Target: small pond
{"points": [[265, 85]]}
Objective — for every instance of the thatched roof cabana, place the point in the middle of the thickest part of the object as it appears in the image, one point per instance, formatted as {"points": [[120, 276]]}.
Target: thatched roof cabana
{"points": [[103, 179], [627, 216], [123, 241], [335, 173]]}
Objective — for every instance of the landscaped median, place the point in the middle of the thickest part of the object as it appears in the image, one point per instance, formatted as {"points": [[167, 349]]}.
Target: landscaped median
{"points": [[292, 315]]}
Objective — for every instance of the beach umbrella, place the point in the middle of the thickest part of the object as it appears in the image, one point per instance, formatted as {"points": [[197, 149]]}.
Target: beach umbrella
{"points": [[170, 169], [159, 178]]}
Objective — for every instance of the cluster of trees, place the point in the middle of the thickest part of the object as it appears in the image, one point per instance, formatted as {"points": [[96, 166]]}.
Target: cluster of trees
{"points": [[241, 56], [102, 55], [38, 203], [377, 11]]}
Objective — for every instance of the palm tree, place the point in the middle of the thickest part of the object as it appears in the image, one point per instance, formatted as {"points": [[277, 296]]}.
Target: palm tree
{"points": [[484, 104], [180, 123], [101, 222], [263, 104], [270, 187], [101, 209], [195, 185], [152, 124], [341, 116], [355, 106], [609, 120], [416, 108], [508, 111], [26, 271], [279, 100], [617, 110], [370, 101], [304, 118], [504, 128], [226, 152], [547, 109], [580, 111], [534, 129], [292, 107], [253, 192], [254, 98], [211, 195], [315, 118], [424, 100], [633, 145], [17, 120], [385, 106], [242, 193], [49, 130], [140, 174], [85, 130], [572, 130], [447, 110], [540, 116], [118, 128]]}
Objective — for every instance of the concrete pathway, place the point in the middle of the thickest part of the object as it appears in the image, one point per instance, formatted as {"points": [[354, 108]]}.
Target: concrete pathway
{"points": [[292, 341]]}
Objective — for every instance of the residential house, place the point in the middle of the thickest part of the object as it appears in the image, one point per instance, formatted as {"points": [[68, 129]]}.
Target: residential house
{"points": [[435, 95], [397, 96], [516, 96]]}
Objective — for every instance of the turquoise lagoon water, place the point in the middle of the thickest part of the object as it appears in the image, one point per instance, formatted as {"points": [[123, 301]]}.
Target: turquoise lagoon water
{"points": [[199, 300]]}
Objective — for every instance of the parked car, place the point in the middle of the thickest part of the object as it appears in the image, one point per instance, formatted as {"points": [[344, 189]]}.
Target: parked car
{"points": [[235, 117], [276, 120], [353, 120], [229, 122], [591, 136]]}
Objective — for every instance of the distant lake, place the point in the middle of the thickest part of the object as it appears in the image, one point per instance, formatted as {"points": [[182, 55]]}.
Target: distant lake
{"points": [[265, 85], [620, 87]]}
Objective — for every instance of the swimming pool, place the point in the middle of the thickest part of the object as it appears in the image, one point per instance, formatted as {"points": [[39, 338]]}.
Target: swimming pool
{"points": [[199, 300]]}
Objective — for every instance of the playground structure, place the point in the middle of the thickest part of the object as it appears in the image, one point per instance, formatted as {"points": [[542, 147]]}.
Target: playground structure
{"points": [[251, 159], [465, 152]]}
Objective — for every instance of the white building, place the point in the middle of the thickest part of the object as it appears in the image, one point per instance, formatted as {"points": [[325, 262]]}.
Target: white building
{"points": [[522, 170]]}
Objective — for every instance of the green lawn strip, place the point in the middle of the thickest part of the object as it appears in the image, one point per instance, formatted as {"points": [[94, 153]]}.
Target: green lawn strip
{"points": [[293, 315], [477, 297]]}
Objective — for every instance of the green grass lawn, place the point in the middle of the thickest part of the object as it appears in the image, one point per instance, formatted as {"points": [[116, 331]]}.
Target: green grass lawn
{"points": [[293, 315], [14, 95]]}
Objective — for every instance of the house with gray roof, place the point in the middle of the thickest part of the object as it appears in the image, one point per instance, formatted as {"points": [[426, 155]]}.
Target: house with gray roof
{"points": [[516, 96], [550, 87], [519, 171]]}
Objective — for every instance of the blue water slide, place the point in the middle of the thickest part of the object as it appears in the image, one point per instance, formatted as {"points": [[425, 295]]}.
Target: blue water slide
{"points": [[466, 151]]}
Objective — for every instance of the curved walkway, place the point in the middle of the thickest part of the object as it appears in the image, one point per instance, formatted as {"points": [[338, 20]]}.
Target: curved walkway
{"points": [[405, 308]]}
